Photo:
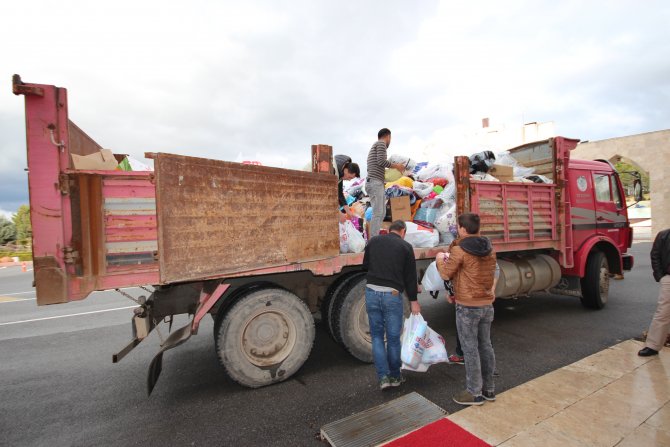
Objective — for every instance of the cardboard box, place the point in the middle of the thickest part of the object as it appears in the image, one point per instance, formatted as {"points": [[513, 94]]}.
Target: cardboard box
{"points": [[400, 209], [502, 172], [99, 161]]}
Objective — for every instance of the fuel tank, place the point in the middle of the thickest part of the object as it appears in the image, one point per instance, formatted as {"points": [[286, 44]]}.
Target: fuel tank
{"points": [[527, 274]]}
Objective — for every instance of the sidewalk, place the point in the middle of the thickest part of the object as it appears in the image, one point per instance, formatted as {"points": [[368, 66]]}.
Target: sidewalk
{"points": [[612, 398]]}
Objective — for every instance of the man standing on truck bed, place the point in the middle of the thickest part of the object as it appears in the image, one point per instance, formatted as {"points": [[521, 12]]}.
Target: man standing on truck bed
{"points": [[391, 267], [374, 186], [660, 324]]}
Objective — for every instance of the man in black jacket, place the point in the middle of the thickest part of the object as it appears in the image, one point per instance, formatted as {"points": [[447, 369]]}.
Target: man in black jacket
{"points": [[391, 267], [660, 324]]}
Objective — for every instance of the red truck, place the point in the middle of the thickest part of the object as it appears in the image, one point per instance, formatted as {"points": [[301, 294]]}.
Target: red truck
{"points": [[257, 248]]}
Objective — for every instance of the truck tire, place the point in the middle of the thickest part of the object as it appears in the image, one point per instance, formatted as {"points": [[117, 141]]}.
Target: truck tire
{"points": [[595, 284], [334, 293], [350, 320], [265, 337]]}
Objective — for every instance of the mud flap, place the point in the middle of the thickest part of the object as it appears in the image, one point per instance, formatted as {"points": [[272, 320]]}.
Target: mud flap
{"points": [[175, 339]]}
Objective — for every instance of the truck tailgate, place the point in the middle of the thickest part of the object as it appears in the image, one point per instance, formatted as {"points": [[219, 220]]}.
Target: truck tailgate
{"points": [[217, 218]]}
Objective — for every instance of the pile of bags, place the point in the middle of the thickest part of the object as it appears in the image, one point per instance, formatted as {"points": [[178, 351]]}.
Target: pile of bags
{"points": [[431, 189]]}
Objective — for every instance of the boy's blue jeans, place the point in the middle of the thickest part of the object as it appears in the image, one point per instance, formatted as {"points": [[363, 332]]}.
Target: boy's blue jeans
{"points": [[385, 314], [474, 332]]}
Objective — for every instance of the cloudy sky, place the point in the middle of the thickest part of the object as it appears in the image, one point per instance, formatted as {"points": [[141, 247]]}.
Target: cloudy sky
{"points": [[263, 80]]}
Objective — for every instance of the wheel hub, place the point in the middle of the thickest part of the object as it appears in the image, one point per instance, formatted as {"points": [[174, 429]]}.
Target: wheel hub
{"points": [[268, 338]]}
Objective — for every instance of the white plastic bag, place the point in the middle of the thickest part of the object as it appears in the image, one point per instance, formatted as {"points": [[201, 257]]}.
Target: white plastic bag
{"points": [[351, 241], [413, 342], [436, 170], [423, 189], [431, 345], [432, 281], [505, 158], [401, 159], [421, 237]]}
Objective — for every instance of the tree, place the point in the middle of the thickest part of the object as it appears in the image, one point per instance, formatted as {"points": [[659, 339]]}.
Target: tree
{"points": [[24, 230], [628, 179], [7, 231]]}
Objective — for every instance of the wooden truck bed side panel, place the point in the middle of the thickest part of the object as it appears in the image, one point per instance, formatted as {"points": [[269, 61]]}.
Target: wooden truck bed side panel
{"points": [[217, 218]]}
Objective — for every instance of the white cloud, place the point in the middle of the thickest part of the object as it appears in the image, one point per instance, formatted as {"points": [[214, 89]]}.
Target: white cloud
{"points": [[267, 80]]}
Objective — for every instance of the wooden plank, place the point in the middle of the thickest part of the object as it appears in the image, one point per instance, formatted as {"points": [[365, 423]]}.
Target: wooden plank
{"points": [[218, 218]]}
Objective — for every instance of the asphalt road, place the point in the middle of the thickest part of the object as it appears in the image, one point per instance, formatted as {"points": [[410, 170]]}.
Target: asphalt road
{"points": [[59, 387]]}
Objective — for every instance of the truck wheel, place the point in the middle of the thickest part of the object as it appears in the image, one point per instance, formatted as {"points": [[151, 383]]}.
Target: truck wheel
{"points": [[265, 337], [351, 323], [596, 281], [334, 293]]}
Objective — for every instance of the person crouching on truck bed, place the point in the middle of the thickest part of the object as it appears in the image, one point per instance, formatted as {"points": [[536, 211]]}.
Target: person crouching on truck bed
{"points": [[374, 184], [391, 270], [471, 265], [349, 171]]}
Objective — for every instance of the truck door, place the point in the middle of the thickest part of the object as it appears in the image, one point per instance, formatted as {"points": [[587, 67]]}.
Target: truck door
{"points": [[611, 218], [583, 210]]}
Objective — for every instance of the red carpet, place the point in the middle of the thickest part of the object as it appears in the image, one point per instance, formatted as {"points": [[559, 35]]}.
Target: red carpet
{"points": [[442, 433]]}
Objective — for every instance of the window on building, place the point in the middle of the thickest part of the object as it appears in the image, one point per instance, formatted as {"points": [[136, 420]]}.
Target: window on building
{"points": [[601, 183]]}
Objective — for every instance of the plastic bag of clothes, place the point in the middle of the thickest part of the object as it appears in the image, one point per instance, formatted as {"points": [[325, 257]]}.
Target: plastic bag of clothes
{"points": [[351, 241], [436, 170], [423, 189], [538, 179], [482, 161], [420, 236], [401, 159], [432, 281], [506, 159], [391, 175], [445, 218], [448, 196], [482, 176], [405, 182], [426, 214]]}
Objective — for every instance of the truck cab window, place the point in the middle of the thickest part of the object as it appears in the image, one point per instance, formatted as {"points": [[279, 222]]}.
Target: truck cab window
{"points": [[615, 192], [601, 183]]}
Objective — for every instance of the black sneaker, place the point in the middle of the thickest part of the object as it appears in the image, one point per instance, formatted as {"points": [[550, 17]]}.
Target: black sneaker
{"points": [[647, 352], [384, 383], [397, 381], [465, 398], [489, 395]]}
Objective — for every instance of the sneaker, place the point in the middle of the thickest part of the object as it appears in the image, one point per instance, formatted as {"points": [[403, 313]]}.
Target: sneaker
{"points": [[465, 398], [489, 395], [397, 381], [647, 352], [384, 383], [458, 359]]}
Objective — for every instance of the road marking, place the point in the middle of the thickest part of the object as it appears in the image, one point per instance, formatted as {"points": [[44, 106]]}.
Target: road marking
{"points": [[10, 299], [17, 293], [69, 315]]}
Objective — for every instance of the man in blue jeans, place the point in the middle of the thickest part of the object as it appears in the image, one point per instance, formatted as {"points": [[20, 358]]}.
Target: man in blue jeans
{"points": [[472, 266], [391, 267]]}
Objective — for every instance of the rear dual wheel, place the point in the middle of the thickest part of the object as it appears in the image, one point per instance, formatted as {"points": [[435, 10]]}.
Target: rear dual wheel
{"points": [[265, 337], [348, 318]]}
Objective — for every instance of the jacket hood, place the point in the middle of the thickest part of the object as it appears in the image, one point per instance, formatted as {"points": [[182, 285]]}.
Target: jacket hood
{"points": [[476, 245]]}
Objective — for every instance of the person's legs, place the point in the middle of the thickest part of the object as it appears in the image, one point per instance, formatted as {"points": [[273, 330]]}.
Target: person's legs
{"points": [[486, 354], [467, 321], [373, 305], [393, 316], [459, 348], [375, 190], [660, 324]]}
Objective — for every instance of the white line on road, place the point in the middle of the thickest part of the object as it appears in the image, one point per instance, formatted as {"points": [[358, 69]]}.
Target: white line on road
{"points": [[16, 293], [69, 315], [16, 300]]}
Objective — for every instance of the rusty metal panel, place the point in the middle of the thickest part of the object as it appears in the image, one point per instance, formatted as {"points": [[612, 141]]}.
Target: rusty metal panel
{"points": [[217, 218], [80, 142]]}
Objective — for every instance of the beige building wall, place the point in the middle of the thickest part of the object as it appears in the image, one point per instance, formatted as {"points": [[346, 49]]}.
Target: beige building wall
{"points": [[651, 151]]}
